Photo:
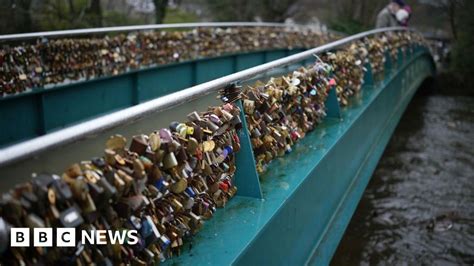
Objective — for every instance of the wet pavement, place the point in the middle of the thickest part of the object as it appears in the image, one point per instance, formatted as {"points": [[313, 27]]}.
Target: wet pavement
{"points": [[419, 205]]}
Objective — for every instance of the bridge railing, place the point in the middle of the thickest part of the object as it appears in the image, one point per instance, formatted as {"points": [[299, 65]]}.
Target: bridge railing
{"points": [[55, 147], [34, 99], [68, 135], [107, 30]]}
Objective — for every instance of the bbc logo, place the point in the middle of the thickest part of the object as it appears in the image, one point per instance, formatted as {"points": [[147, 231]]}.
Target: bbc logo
{"points": [[42, 237], [66, 237]]}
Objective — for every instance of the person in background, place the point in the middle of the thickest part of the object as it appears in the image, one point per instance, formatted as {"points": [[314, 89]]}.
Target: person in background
{"points": [[403, 15], [387, 16]]}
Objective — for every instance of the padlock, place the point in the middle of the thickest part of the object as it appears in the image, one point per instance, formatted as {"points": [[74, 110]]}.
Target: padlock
{"points": [[31, 203], [110, 192], [116, 142], [62, 191], [149, 231], [198, 133], [97, 194], [71, 217], [154, 141], [139, 144], [210, 125], [169, 161], [74, 171], [194, 117], [192, 146], [34, 221], [149, 257], [179, 186], [165, 135], [4, 235]]}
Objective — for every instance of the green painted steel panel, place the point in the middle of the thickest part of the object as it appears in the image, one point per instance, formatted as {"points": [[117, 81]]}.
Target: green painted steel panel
{"points": [[424, 67], [210, 69], [83, 101], [249, 60], [20, 119], [274, 55], [246, 178], [295, 51], [303, 63], [64, 104], [161, 81]]}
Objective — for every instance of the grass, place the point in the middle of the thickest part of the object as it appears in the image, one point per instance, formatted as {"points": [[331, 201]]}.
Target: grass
{"points": [[175, 15]]}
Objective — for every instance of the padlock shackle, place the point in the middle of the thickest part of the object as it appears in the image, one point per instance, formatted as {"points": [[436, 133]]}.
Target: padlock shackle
{"points": [[149, 27], [74, 133]]}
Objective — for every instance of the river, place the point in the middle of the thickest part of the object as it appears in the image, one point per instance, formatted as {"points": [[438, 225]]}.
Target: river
{"points": [[419, 205]]}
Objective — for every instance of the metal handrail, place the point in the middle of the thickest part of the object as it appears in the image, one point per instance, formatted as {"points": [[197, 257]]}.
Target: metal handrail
{"points": [[68, 135], [23, 36]]}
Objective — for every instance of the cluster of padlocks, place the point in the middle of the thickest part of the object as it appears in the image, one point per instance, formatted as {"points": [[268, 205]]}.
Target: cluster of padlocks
{"points": [[282, 110], [347, 66], [162, 185], [49, 62], [166, 183]]}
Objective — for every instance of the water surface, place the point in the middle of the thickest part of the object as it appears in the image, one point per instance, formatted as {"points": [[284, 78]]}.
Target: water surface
{"points": [[419, 205]]}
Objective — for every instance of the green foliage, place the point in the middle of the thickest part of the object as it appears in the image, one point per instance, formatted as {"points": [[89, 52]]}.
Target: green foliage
{"points": [[175, 15], [348, 26], [228, 10], [15, 16], [463, 53], [249, 10], [160, 10], [57, 15], [46, 15], [114, 18]]}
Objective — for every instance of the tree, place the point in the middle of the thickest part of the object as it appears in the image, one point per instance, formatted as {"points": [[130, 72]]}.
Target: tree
{"points": [[463, 58], [70, 14], [94, 12], [24, 6], [450, 10], [352, 16], [228, 10], [278, 10], [250, 10], [15, 16], [160, 10]]}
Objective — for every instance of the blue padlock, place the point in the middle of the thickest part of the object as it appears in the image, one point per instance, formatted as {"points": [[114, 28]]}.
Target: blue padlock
{"points": [[189, 192], [164, 242]]}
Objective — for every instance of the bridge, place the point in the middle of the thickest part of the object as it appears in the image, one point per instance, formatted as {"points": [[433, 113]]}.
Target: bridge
{"points": [[295, 211]]}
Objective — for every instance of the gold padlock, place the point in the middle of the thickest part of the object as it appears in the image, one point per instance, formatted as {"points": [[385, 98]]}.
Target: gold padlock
{"points": [[169, 161]]}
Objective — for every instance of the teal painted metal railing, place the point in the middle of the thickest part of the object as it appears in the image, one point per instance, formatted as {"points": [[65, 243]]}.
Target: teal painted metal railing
{"points": [[44, 110], [309, 196], [297, 211]]}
